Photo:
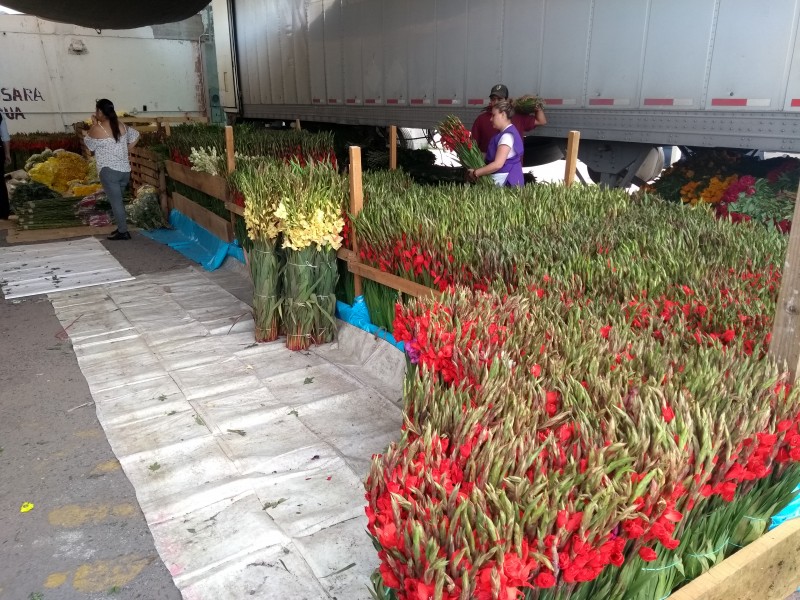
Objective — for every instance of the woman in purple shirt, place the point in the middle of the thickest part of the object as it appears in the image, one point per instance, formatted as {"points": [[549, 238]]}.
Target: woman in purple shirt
{"points": [[504, 157]]}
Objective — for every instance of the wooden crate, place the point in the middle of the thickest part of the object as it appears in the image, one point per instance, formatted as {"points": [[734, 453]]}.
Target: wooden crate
{"points": [[146, 168], [767, 569], [222, 228], [213, 185], [152, 123]]}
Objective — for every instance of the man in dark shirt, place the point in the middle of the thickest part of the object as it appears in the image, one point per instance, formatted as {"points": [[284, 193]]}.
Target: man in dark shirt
{"points": [[482, 129]]}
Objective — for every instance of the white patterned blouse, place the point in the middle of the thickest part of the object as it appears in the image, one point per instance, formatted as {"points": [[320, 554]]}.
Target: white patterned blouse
{"points": [[112, 153]]}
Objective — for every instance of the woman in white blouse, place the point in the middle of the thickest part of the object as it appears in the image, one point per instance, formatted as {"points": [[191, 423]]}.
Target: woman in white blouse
{"points": [[110, 141]]}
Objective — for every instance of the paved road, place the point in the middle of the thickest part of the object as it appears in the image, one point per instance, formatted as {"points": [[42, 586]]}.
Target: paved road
{"points": [[85, 537]]}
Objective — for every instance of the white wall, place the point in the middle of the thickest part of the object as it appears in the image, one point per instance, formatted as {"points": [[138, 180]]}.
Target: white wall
{"points": [[53, 73]]}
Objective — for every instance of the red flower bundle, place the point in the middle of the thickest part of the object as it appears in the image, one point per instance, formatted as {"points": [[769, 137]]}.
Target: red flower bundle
{"points": [[457, 138]]}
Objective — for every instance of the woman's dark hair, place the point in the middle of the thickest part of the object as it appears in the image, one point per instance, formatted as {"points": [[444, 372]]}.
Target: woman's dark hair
{"points": [[505, 106], [106, 107]]}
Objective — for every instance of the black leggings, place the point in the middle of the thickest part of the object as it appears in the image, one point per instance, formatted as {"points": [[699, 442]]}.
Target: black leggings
{"points": [[5, 209]]}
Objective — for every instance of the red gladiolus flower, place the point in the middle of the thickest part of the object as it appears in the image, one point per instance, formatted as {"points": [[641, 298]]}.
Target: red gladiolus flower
{"points": [[545, 580], [517, 570], [667, 413], [536, 370], [604, 331], [418, 590], [388, 576], [647, 554]]}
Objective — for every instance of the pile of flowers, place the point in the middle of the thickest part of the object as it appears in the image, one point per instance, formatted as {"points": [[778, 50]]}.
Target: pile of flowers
{"points": [[472, 236], [294, 217], [602, 421], [738, 187], [60, 170], [145, 210], [62, 190]]}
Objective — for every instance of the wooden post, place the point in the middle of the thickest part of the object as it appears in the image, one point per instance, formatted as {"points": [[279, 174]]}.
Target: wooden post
{"points": [[162, 190], [572, 157], [297, 124], [231, 166], [392, 147], [785, 344], [356, 204], [167, 129], [229, 149]]}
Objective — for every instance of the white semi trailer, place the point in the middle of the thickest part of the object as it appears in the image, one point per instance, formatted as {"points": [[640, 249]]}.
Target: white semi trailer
{"points": [[630, 75], [51, 73]]}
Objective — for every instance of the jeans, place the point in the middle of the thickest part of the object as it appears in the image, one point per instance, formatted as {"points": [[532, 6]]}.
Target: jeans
{"points": [[114, 184]]}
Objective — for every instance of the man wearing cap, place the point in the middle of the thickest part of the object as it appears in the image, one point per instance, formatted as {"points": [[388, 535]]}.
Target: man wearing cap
{"points": [[482, 129]]}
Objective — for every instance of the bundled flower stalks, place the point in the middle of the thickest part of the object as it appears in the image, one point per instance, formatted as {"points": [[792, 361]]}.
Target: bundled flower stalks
{"points": [[328, 274], [258, 180], [203, 146], [528, 104], [312, 198], [458, 139], [738, 187], [452, 235], [266, 266]]}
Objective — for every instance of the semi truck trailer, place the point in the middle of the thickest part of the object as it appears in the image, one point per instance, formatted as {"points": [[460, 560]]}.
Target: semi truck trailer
{"points": [[631, 75]]}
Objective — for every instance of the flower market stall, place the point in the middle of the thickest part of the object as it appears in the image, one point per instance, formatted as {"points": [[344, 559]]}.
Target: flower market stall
{"points": [[593, 407], [663, 305]]}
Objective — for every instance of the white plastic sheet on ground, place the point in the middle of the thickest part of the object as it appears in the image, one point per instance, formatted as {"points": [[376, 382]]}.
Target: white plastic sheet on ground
{"points": [[43, 268], [247, 460]]}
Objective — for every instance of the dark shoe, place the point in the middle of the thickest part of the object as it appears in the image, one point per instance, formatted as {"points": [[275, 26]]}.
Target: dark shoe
{"points": [[119, 236]]}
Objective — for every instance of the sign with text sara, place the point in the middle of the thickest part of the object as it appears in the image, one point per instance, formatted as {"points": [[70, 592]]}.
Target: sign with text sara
{"points": [[10, 96]]}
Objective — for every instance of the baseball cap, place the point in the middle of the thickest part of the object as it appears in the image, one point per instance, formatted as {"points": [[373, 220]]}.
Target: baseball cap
{"points": [[499, 90]]}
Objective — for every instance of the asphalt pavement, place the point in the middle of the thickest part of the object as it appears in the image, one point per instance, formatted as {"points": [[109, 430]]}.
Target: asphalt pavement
{"points": [[85, 537]]}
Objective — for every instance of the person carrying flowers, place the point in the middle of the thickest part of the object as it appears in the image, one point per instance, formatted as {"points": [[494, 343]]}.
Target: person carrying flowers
{"points": [[504, 155], [483, 130]]}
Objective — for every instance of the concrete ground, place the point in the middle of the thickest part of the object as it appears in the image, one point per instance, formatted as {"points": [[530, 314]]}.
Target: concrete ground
{"points": [[86, 537]]}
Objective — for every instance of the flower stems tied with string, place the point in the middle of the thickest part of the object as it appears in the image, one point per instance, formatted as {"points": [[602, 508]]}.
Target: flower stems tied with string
{"points": [[266, 270], [325, 309], [301, 305]]}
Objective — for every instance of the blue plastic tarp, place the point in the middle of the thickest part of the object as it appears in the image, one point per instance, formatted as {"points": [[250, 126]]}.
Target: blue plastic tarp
{"points": [[195, 242], [791, 511], [358, 316]]}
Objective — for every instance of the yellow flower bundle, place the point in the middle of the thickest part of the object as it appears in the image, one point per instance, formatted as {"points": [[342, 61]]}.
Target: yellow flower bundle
{"points": [[59, 171]]}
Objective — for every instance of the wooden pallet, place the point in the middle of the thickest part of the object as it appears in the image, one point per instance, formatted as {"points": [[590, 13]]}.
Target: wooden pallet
{"points": [[212, 185], [147, 168], [220, 227], [148, 124], [26, 236]]}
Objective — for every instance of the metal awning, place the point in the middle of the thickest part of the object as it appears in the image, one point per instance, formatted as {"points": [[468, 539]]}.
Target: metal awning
{"points": [[123, 14]]}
